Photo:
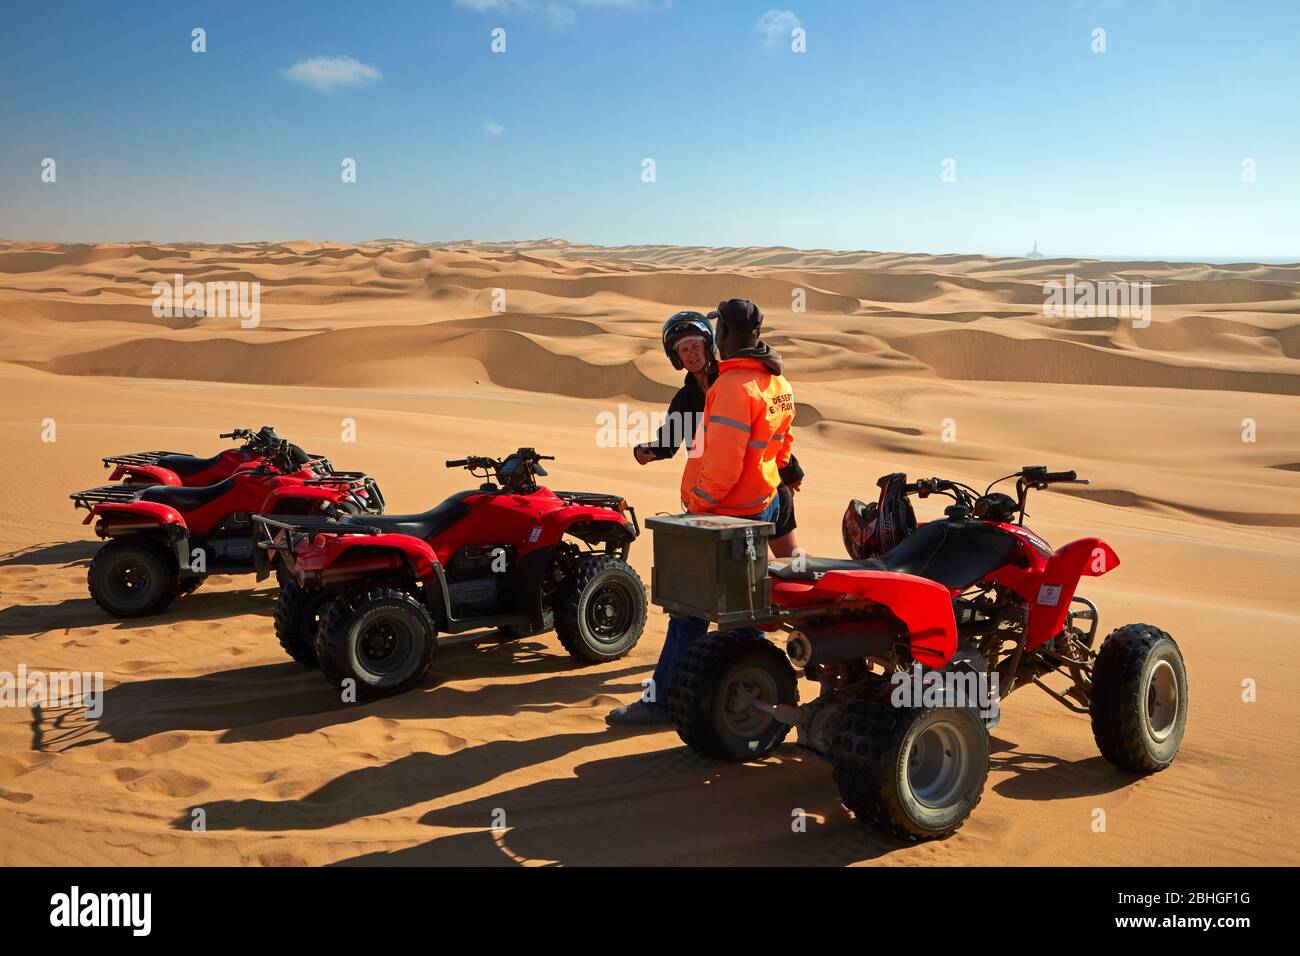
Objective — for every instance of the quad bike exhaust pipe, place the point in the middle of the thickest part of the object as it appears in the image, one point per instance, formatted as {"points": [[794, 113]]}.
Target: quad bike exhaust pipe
{"points": [[833, 643]]}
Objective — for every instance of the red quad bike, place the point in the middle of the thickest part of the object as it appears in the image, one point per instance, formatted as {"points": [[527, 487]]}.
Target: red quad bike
{"points": [[370, 595], [164, 540], [175, 468], [972, 600]]}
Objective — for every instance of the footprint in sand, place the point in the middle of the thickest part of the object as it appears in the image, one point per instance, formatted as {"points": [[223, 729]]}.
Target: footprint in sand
{"points": [[15, 765], [149, 747], [14, 796], [135, 667], [125, 775], [417, 739], [161, 783]]}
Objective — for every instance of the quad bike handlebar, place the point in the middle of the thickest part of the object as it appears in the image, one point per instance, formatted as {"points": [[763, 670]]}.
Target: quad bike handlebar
{"points": [[262, 441], [968, 501], [517, 472]]}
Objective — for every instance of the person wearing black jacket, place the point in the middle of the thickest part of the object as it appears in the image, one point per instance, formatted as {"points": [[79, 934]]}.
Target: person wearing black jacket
{"points": [[688, 342]]}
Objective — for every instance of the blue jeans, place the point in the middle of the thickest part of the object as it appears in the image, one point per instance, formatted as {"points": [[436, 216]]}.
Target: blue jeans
{"points": [[685, 631]]}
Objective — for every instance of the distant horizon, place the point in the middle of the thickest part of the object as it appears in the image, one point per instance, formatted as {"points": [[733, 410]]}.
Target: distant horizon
{"points": [[1045, 257]]}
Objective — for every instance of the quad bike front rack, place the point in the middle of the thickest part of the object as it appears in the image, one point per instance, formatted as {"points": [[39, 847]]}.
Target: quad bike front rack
{"points": [[350, 481], [596, 499]]}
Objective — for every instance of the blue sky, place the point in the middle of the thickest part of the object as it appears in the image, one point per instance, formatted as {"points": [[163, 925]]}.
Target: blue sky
{"points": [[1136, 151]]}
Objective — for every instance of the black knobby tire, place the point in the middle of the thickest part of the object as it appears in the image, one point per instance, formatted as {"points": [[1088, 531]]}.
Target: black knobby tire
{"points": [[298, 613], [601, 613], [384, 639], [133, 578], [706, 683], [1139, 698], [915, 772]]}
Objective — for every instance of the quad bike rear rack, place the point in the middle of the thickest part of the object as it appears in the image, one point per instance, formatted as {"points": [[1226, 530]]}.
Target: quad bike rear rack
{"points": [[140, 458], [116, 494]]}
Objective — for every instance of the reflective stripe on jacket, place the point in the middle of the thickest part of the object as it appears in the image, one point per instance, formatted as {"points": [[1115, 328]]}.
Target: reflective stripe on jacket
{"points": [[746, 435]]}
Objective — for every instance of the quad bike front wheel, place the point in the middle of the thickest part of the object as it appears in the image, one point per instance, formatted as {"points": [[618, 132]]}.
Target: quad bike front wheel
{"points": [[916, 772], [382, 639], [1139, 698], [601, 613], [132, 578], [298, 613], [714, 687]]}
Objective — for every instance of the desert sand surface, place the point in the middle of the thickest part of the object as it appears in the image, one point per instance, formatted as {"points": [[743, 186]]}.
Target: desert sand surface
{"points": [[204, 711]]}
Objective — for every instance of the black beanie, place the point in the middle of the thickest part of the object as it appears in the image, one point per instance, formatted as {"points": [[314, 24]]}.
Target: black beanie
{"points": [[740, 314]]}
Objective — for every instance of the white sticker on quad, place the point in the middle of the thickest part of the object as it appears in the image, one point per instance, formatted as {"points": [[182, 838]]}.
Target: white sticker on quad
{"points": [[1049, 594]]}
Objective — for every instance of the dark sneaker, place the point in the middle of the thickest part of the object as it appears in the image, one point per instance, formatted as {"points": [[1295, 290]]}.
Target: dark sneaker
{"points": [[638, 713]]}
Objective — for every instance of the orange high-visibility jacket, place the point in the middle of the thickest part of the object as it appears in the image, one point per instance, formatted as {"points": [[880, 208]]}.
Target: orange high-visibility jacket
{"points": [[746, 434]]}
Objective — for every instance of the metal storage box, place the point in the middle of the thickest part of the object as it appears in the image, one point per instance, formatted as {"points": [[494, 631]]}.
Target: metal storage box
{"points": [[711, 566]]}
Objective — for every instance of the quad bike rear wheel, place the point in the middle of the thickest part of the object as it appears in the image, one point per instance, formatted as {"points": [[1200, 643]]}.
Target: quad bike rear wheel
{"points": [[916, 772], [298, 613], [383, 639], [1139, 698], [133, 577], [713, 688], [600, 614]]}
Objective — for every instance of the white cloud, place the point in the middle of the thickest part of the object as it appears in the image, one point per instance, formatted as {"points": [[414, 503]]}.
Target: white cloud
{"points": [[493, 128], [326, 73], [775, 26]]}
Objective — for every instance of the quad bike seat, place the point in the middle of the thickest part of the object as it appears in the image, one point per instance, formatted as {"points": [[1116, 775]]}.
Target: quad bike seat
{"points": [[426, 526], [955, 553], [186, 465], [186, 499]]}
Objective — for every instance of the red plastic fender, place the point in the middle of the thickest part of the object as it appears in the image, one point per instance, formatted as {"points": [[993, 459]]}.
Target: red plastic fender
{"points": [[330, 551], [136, 511], [557, 523], [159, 476], [1049, 604], [924, 607]]}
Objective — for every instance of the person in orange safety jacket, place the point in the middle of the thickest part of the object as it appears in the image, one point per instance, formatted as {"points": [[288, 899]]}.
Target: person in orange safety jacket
{"points": [[748, 414], [746, 435]]}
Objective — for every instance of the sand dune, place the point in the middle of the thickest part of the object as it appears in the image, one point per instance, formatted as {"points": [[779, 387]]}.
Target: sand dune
{"points": [[893, 355]]}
